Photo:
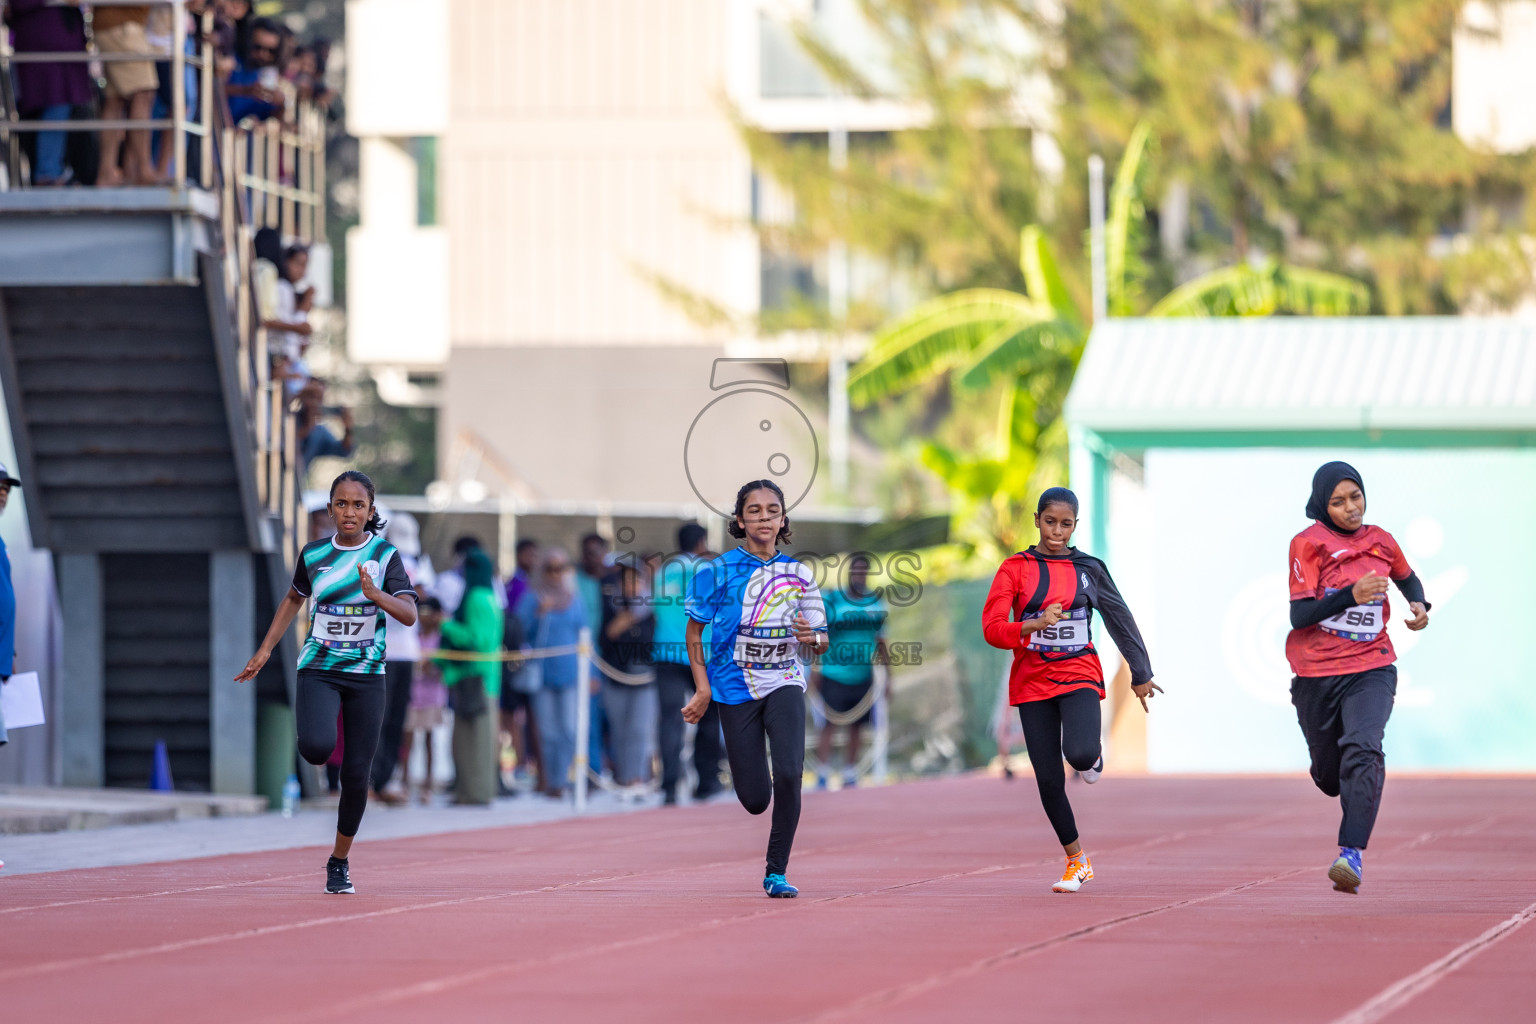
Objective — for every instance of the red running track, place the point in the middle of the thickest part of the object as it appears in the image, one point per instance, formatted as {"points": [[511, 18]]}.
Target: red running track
{"points": [[925, 901]]}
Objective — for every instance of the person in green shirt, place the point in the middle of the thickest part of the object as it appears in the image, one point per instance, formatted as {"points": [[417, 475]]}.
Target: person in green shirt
{"points": [[476, 627], [844, 675]]}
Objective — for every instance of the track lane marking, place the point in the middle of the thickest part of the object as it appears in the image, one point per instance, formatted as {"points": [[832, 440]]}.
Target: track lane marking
{"points": [[899, 993], [437, 985], [405, 865], [1402, 992], [248, 933]]}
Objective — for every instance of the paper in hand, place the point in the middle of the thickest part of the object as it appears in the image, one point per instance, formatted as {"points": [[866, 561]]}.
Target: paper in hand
{"points": [[21, 701]]}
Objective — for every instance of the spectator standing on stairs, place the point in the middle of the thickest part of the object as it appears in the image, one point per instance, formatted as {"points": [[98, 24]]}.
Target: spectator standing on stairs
{"points": [[49, 91], [131, 86], [289, 327], [315, 438]]}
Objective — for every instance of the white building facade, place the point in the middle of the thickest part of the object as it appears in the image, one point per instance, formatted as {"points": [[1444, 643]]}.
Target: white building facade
{"points": [[537, 176]]}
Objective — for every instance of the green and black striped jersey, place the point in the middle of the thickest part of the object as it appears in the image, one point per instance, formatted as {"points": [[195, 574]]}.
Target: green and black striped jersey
{"points": [[346, 632]]}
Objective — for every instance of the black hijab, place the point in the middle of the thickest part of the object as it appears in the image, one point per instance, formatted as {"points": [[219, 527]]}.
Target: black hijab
{"points": [[1328, 476]]}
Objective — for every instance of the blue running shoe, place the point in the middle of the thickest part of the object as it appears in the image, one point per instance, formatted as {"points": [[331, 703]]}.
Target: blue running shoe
{"points": [[1347, 870], [777, 888]]}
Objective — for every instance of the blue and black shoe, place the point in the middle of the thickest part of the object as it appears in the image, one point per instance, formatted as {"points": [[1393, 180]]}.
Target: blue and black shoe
{"points": [[777, 888], [1347, 871]]}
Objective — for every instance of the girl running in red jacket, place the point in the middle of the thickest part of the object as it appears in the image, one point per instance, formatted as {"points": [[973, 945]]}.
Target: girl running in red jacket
{"points": [[1040, 608]]}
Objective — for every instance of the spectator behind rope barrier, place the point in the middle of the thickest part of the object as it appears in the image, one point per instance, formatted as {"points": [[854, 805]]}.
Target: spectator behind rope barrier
{"points": [[554, 616], [629, 704], [476, 627]]}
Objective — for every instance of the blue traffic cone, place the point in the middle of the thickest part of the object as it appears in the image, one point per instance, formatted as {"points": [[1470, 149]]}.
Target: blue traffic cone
{"points": [[160, 774]]}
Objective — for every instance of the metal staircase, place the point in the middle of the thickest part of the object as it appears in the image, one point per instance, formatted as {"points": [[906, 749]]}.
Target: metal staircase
{"points": [[156, 448]]}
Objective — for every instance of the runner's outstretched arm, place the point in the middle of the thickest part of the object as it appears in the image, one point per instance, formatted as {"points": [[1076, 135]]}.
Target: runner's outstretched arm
{"points": [[286, 610], [1121, 625]]}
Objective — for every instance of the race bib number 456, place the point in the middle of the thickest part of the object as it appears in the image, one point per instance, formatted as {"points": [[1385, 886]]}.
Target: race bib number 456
{"points": [[344, 626], [1069, 634]]}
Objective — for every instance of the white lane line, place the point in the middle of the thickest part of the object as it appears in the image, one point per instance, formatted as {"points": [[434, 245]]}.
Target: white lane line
{"points": [[1400, 993]]}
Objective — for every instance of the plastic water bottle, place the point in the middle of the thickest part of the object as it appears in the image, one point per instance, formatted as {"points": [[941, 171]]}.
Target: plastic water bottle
{"points": [[290, 796]]}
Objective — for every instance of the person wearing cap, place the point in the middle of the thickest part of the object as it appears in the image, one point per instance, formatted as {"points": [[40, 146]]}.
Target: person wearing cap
{"points": [[7, 599]]}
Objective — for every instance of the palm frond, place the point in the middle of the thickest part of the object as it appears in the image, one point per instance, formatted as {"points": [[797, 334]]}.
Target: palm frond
{"points": [[1265, 290], [1308, 292], [1125, 232], [1042, 276], [932, 339], [1016, 347]]}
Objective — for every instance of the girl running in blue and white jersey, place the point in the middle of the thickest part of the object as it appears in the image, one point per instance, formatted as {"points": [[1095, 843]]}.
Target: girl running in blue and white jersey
{"points": [[764, 607]]}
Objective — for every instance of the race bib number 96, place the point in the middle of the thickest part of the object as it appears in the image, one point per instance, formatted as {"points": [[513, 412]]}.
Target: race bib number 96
{"points": [[1069, 634], [344, 626], [1363, 622]]}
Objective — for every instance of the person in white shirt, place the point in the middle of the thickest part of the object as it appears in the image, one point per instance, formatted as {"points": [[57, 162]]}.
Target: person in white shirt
{"points": [[400, 659]]}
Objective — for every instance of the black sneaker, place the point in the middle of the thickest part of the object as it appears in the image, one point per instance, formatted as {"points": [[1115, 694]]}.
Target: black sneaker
{"points": [[337, 880]]}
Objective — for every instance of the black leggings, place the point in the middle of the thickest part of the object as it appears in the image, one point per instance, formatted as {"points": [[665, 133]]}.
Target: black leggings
{"points": [[780, 718], [360, 698], [1063, 726]]}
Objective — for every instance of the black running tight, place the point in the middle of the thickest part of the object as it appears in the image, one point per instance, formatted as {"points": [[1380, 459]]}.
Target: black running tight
{"points": [[360, 698], [778, 719], [1062, 726]]}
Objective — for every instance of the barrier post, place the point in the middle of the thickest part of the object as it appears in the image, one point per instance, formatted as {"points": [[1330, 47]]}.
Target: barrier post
{"points": [[583, 712], [179, 91], [882, 725]]}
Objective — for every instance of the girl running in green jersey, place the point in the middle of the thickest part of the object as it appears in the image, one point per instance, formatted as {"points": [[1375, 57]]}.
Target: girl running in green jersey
{"points": [[357, 582]]}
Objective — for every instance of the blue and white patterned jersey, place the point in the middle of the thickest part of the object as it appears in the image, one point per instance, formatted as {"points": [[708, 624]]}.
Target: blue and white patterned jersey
{"points": [[750, 605]]}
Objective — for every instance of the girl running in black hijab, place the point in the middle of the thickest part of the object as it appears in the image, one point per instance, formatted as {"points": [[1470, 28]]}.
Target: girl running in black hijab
{"points": [[1342, 656]]}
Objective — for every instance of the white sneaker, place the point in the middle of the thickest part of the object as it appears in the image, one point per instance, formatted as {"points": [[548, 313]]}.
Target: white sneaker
{"points": [[1079, 870], [1092, 774]]}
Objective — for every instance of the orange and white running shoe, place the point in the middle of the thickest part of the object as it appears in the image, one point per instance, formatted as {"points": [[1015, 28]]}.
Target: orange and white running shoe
{"points": [[1079, 870]]}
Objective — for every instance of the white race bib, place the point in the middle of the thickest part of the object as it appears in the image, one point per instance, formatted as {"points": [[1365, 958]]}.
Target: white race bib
{"points": [[765, 647], [1069, 634], [1363, 622], [344, 627]]}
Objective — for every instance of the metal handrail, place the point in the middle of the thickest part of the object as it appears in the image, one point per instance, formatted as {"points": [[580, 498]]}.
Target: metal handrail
{"points": [[267, 174], [178, 123]]}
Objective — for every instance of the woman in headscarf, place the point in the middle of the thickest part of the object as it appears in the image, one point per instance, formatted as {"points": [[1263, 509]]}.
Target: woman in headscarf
{"points": [[476, 627], [1339, 649], [1040, 607], [553, 616]]}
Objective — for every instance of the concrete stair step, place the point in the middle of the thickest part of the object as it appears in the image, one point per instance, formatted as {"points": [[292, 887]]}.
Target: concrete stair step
{"points": [[25, 809]]}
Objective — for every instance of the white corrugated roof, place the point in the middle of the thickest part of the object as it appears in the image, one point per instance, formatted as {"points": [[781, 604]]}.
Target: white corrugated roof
{"points": [[1305, 373]]}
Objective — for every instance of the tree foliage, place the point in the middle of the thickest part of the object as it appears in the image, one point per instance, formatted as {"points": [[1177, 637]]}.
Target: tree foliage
{"points": [[1271, 155], [1024, 348], [1311, 131]]}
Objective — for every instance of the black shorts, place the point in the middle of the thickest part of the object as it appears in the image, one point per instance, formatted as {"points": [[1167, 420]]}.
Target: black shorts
{"points": [[844, 697], [512, 700]]}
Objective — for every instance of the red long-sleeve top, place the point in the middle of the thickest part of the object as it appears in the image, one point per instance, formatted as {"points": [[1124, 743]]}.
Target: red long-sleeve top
{"points": [[1061, 659]]}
